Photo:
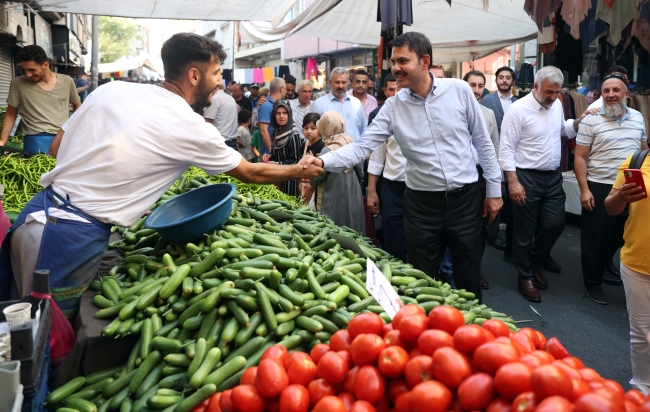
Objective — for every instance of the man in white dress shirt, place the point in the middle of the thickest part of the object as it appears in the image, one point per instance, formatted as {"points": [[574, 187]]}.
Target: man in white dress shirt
{"points": [[435, 122], [302, 105], [529, 154]]}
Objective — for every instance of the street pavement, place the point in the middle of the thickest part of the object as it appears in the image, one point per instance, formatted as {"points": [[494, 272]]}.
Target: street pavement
{"points": [[597, 334]]}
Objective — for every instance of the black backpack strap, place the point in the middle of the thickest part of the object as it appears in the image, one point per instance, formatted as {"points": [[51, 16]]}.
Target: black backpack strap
{"points": [[637, 159]]}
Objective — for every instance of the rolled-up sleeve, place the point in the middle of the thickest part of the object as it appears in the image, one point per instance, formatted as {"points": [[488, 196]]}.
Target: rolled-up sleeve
{"points": [[483, 144], [377, 160], [510, 134]]}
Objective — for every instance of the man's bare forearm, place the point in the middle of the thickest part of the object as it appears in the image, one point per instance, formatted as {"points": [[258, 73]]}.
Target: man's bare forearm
{"points": [[512, 177], [265, 173], [7, 124], [266, 138], [580, 170], [372, 183]]}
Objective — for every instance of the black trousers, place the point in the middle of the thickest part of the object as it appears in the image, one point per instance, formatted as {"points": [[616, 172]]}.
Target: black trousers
{"points": [[392, 218], [600, 235], [544, 206], [508, 218], [433, 222]]}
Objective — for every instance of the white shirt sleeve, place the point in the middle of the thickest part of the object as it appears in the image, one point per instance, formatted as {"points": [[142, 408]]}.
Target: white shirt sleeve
{"points": [[510, 134], [569, 130], [212, 155], [377, 160]]}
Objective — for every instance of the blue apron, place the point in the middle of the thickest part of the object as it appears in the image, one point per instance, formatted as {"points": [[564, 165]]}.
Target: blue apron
{"points": [[65, 247], [38, 143]]}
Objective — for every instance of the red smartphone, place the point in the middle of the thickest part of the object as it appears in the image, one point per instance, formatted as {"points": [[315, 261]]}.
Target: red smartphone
{"points": [[635, 176]]}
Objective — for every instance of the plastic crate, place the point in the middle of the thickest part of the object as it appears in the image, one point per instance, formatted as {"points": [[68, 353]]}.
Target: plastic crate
{"points": [[34, 399]]}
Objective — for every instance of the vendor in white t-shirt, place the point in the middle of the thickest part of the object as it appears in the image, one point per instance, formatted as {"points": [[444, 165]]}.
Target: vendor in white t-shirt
{"points": [[115, 158]]}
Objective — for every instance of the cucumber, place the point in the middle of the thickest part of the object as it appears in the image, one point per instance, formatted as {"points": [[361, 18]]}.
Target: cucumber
{"points": [[265, 308], [210, 360], [102, 302], [144, 369], [314, 286], [354, 287], [60, 394], [178, 359], [248, 349], [328, 325], [338, 295], [163, 401], [151, 379], [80, 404], [199, 355], [239, 313], [167, 345], [209, 262], [230, 330], [101, 375], [117, 385], [111, 328], [227, 370], [285, 328], [191, 402], [309, 324], [174, 381], [283, 317], [247, 332], [174, 281]]}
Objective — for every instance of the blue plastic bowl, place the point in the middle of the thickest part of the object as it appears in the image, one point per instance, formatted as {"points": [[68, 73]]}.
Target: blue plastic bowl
{"points": [[188, 216]]}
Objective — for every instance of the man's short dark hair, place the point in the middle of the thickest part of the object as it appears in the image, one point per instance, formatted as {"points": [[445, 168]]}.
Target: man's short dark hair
{"points": [[183, 49], [290, 79], [474, 73], [616, 69], [362, 73], [389, 78], [32, 53], [416, 42], [512, 72], [381, 95], [243, 116]]}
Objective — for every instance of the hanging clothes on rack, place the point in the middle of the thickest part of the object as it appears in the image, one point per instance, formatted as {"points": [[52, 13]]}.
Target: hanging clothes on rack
{"points": [[618, 14], [540, 10], [239, 76], [268, 74], [641, 28], [293, 70], [248, 76], [258, 76], [227, 74], [283, 71], [573, 13], [312, 68]]}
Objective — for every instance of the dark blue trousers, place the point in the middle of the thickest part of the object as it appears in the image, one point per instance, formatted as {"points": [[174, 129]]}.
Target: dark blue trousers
{"points": [[392, 218]]}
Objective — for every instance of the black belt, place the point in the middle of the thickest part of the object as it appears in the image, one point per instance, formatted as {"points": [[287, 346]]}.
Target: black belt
{"points": [[539, 172], [449, 194]]}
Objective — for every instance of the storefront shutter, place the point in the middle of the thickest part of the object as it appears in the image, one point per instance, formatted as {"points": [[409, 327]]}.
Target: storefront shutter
{"points": [[6, 74]]}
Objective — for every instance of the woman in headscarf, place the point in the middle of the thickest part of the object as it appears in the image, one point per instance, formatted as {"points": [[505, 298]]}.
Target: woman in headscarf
{"points": [[287, 148], [339, 194]]}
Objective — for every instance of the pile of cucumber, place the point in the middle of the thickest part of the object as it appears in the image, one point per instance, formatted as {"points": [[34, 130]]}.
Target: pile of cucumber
{"points": [[205, 311]]}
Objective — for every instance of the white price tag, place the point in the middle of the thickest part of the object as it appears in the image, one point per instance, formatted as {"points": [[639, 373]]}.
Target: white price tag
{"points": [[381, 289]]}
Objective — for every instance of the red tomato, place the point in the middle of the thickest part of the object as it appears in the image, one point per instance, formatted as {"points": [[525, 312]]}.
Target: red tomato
{"points": [[330, 404], [524, 402], [273, 405], [277, 352], [396, 387], [365, 349], [476, 392], [248, 378], [429, 396], [610, 394], [580, 387], [403, 402], [432, 339], [590, 375], [362, 406], [591, 402], [318, 351], [387, 328], [615, 386], [202, 406], [340, 340], [555, 348], [271, 378], [635, 397], [346, 356], [411, 327], [383, 405], [392, 361], [348, 399], [213, 403], [394, 338], [499, 405], [450, 367], [644, 407], [512, 379], [574, 362], [350, 378], [318, 389], [574, 374], [415, 352], [333, 367], [496, 327], [469, 337], [418, 369], [247, 398], [531, 360], [301, 372], [533, 336], [554, 404], [525, 341], [369, 384], [492, 355], [294, 357], [225, 401], [542, 339], [545, 357], [631, 406], [366, 322], [549, 380], [406, 310], [445, 318], [294, 398]]}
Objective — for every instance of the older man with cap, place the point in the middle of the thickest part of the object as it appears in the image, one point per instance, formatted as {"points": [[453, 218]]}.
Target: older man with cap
{"points": [[604, 141]]}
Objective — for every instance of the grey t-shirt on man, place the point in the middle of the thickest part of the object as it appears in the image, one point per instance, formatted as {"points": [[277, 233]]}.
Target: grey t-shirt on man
{"points": [[223, 113]]}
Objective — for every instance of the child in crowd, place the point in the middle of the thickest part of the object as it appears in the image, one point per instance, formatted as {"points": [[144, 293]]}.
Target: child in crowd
{"points": [[313, 147], [288, 146], [244, 136], [339, 194]]}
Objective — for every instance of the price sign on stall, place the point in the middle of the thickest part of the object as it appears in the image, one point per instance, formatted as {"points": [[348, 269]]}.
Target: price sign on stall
{"points": [[381, 289]]}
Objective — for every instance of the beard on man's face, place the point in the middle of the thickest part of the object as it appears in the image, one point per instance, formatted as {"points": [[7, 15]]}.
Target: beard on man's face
{"points": [[615, 109], [203, 95]]}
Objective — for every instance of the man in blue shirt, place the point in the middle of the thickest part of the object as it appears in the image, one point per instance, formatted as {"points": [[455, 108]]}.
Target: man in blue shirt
{"points": [[436, 122], [277, 91], [349, 107]]}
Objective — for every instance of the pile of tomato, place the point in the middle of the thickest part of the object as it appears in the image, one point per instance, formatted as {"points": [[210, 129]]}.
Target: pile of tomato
{"points": [[421, 363]]}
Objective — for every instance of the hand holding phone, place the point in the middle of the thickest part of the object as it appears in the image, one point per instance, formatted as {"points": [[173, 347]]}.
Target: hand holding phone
{"points": [[635, 176]]}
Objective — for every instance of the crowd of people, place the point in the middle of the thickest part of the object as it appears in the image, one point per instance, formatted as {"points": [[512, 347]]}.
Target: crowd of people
{"points": [[446, 164]]}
